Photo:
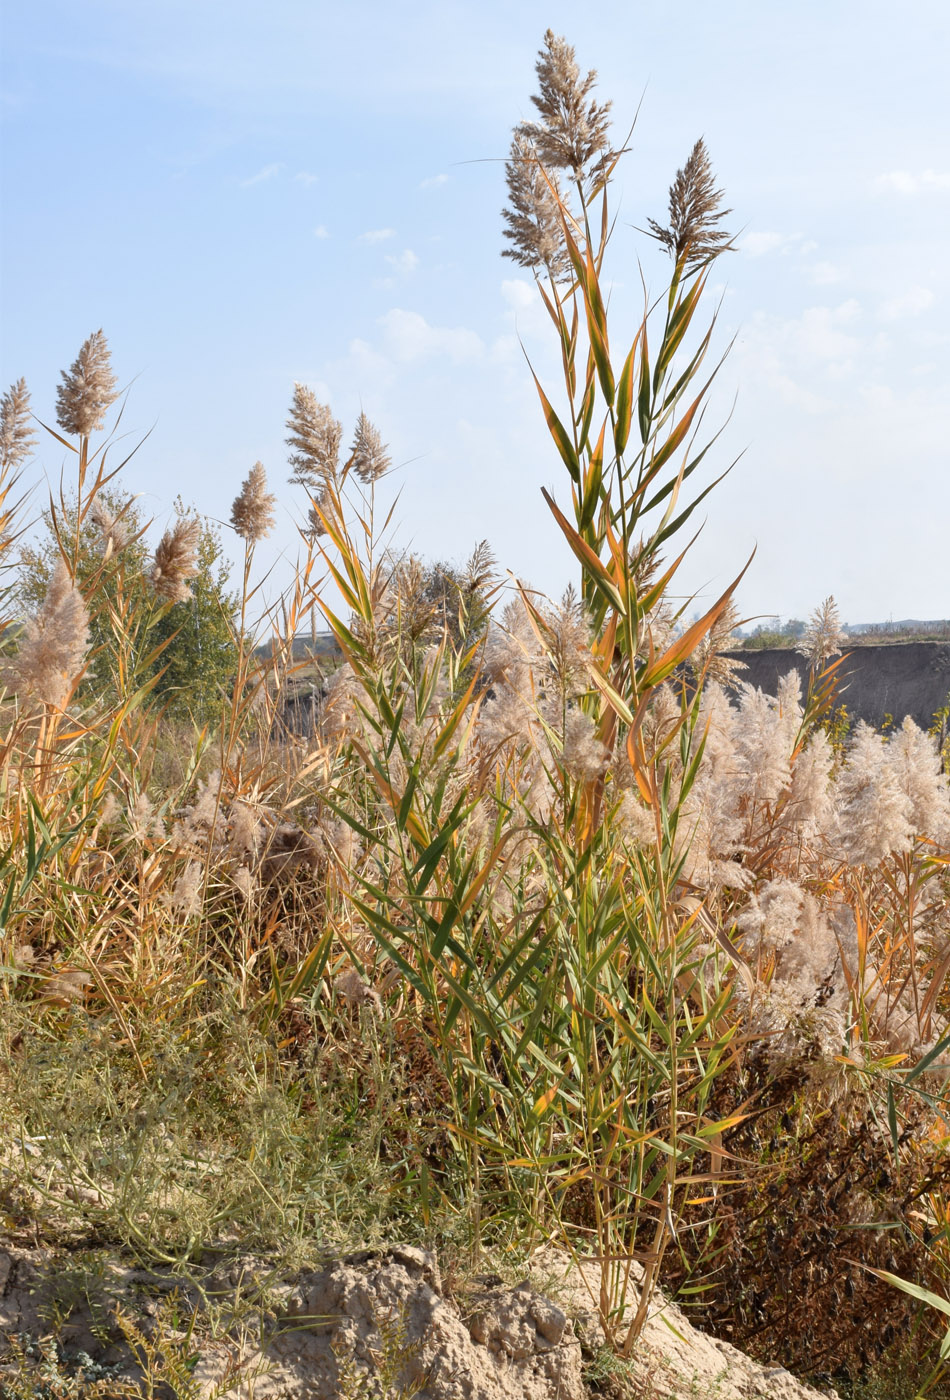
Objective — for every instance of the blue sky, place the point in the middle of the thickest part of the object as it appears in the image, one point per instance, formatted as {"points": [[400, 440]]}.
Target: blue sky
{"points": [[242, 196]]}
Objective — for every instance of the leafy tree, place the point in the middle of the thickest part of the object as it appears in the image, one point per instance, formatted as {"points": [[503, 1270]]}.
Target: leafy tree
{"points": [[186, 651], [201, 651]]}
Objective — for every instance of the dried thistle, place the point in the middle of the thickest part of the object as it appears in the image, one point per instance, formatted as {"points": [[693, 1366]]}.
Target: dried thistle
{"points": [[692, 235], [573, 129], [54, 645], [252, 513], [87, 390], [369, 456], [315, 437], [534, 223], [175, 562], [16, 435]]}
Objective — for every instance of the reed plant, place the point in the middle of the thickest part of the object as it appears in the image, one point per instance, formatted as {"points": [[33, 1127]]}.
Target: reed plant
{"points": [[551, 928]]}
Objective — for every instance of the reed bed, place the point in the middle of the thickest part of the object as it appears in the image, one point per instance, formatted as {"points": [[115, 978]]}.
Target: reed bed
{"points": [[548, 930]]}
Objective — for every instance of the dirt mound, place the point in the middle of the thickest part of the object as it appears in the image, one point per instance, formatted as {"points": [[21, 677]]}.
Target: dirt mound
{"points": [[377, 1324]]}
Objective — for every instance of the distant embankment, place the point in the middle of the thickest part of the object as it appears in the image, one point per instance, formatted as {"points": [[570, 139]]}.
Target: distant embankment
{"points": [[904, 678]]}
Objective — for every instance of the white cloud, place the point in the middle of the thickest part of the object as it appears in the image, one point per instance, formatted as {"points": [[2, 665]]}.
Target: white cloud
{"points": [[825, 274], [818, 331], [433, 181], [409, 337], [304, 177], [377, 235], [758, 244], [526, 313], [266, 173], [404, 263], [321, 231], [911, 303], [912, 182]]}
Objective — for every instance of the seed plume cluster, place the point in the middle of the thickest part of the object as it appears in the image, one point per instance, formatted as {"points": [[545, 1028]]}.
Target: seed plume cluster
{"points": [[175, 561], [17, 438], [533, 217], [315, 437], [571, 136], [88, 389], [573, 130], [693, 235], [824, 636], [252, 513], [370, 457], [54, 645]]}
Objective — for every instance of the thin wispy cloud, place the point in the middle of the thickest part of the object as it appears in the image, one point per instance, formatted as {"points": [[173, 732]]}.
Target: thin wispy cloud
{"points": [[267, 172], [757, 244], [432, 181], [911, 303], [305, 177], [321, 231], [409, 337], [405, 263], [826, 274], [377, 235], [912, 182]]}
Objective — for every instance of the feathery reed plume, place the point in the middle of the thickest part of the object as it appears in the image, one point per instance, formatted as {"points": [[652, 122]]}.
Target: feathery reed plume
{"points": [[16, 435], [114, 535], [54, 645], [534, 227], [315, 437], [573, 130], [252, 513], [88, 389], [823, 636], [694, 213], [480, 568], [175, 561], [315, 526], [707, 661], [370, 458]]}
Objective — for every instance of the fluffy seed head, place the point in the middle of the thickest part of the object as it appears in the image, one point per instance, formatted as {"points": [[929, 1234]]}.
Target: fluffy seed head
{"points": [[573, 128], [693, 234], [315, 438], [175, 561], [16, 435], [370, 458], [252, 513], [113, 534], [88, 389], [54, 646], [534, 229], [824, 636]]}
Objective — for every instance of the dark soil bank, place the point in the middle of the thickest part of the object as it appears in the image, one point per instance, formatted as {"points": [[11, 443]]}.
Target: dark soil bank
{"points": [[906, 678]]}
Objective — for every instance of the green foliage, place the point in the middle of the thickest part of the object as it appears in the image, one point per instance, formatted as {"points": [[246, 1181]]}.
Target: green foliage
{"points": [[187, 651], [200, 647]]}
